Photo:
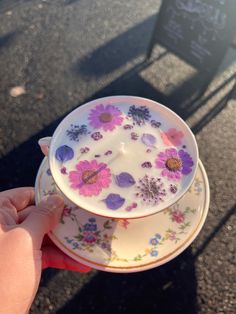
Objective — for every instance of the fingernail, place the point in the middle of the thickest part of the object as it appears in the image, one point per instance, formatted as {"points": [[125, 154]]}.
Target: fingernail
{"points": [[54, 202]]}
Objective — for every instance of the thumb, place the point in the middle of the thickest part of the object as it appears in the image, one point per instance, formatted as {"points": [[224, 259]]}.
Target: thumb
{"points": [[43, 218]]}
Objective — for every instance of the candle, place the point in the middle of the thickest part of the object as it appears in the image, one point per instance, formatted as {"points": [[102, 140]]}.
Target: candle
{"points": [[122, 158]]}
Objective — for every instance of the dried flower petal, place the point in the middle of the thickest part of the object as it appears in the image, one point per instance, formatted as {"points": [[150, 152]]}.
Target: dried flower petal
{"points": [[114, 201], [148, 139], [63, 170], [109, 152], [96, 136], [128, 126], [84, 150], [155, 124], [64, 153], [134, 136], [124, 180], [146, 164]]}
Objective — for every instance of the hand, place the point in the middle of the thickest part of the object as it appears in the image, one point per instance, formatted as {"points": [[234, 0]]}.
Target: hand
{"points": [[24, 250]]}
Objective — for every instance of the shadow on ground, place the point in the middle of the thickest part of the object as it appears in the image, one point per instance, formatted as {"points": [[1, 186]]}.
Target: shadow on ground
{"points": [[145, 292]]}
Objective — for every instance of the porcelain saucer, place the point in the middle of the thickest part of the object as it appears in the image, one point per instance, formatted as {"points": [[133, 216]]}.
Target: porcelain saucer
{"points": [[124, 246]]}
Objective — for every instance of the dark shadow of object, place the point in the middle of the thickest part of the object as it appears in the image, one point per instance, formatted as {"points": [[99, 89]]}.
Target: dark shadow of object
{"points": [[7, 39], [222, 222], [6, 5], [116, 52], [170, 288], [68, 2]]}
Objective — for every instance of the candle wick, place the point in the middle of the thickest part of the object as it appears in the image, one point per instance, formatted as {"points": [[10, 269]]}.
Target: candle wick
{"points": [[122, 147]]}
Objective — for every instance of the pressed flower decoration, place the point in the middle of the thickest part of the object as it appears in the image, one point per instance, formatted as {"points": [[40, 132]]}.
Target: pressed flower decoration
{"points": [[76, 131], [84, 150], [146, 164], [124, 180], [96, 136], [134, 136], [174, 163], [140, 115], [155, 124], [151, 190], [90, 177], [148, 140], [105, 117], [172, 137], [64, 153], [138, 162], [114, 201]]}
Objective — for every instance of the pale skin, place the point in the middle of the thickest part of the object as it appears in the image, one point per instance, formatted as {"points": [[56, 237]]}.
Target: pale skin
{"points": [[25, 250]]}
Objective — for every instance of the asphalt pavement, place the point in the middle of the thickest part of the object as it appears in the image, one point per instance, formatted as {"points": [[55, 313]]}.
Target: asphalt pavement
{"points": [[63, 53]]}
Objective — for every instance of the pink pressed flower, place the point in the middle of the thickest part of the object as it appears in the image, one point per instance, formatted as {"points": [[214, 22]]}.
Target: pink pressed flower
{"points": [[177, 216], [170, 163], [106, 117], [172, 137], [90, 177]]}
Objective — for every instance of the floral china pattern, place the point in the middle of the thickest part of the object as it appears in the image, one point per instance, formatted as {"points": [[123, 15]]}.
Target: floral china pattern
{"points": [[90, 236], [90, 177]]}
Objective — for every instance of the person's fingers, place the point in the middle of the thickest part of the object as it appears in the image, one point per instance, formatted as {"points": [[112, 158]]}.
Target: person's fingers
{"points": [[53, 257], [43, 218], [24, 213], [17, 199]]}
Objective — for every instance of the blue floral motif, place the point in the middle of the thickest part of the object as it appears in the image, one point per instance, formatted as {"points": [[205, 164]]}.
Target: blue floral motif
{"points": [[158, 236], [90, 227], [154, 253], [153, 241]]}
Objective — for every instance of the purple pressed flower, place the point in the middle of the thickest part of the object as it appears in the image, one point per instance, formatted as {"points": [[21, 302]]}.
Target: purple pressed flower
{"points": [[146, 164], [76, 131], [84, 150], [187, 162], [139, 114], [96, 136], [109, 152], [114, 201], [174, 164], [63, 170], [148, 140], [64, 153], [130, 207], [155, 124], [106, 117], [124, 180], [134, 136], [151, 190], [173, 188], [128, 126]]}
